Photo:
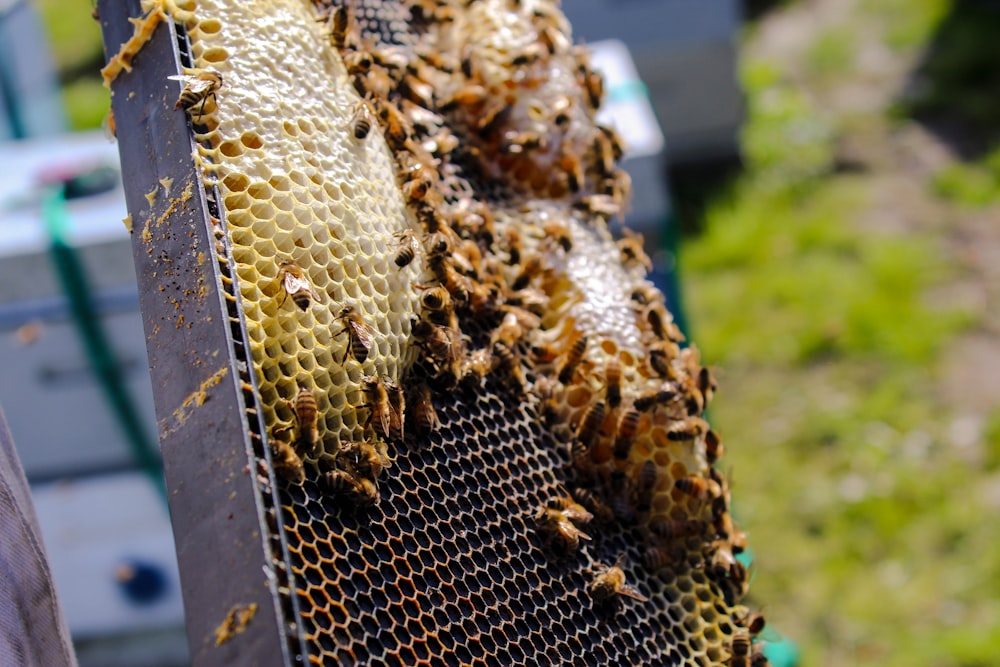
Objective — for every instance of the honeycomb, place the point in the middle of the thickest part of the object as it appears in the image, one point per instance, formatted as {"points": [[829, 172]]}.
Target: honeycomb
{"points": [[445, 340]]}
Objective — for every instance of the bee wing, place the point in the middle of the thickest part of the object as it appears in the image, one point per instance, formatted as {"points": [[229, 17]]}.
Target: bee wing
{"points": [[386, 420], [572, 529], [632, 593], [199, 85], [295, 284], [181, 77], [364, 332]]}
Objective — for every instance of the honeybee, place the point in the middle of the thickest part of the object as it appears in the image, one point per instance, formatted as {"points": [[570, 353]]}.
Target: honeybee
{"points": [[558, 531], [602, 205], [662, 325], [416, 184], [494, 117], [381, 410], [759, 660], [572, 510], [593, 86], [476, 366], [307, 419], [467, 96], [614, 140], [409, 245], [443, 344], [580, 454], [609, 582], [646, 293], [570, 163], [670, 529], [425, 417], [358, 60], [397, 127], [553, 40], [590, 425], [361, 119], [625, 435], [698, 487], [397, 404], [436, 298], [295, 284], [619, 496], [613, 383], [740, 649], [722, 521], [544, 354], [516, 143], [573, 358], [604, 155], [714, 449], [360, 336], [660, 354], [619, 188], [513, 245], [659, 397], [647, 479], [737, 538], [531, 269], [506, 359], [510, 330], [528, 55], [368, 459], [339, 22], [687, 429], [597, 507], [631, 248], [656, 558], [558, 233], [458, 286], [754, 623], [198, 89], [706, 384], [363, 490], [416, 90], [286, 462]]}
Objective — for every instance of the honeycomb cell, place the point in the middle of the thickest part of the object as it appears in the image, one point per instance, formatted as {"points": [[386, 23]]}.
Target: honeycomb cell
{"points": [[251, 140]]}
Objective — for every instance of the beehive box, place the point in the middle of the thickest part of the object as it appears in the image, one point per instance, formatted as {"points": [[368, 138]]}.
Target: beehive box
{"points": [[434, 343]]}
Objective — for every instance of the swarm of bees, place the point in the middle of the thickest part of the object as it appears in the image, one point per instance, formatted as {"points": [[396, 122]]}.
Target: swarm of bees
{"points": [[480, 136], [479, 267]]}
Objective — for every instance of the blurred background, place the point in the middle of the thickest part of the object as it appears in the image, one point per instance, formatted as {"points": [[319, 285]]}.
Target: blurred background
{"points": [[824, 215]]}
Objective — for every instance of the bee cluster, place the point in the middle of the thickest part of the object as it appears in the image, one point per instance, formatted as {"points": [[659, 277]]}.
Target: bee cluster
{"points": [[483, 259]]}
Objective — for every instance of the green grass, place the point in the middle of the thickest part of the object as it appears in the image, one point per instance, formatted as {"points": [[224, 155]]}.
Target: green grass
{"points": [[870, 525]]}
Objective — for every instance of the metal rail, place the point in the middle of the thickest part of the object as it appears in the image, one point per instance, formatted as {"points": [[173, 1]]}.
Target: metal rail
{"points": [[217, 506]]}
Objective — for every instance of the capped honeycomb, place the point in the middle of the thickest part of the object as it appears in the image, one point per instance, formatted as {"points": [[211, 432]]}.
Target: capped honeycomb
{"points": [[474, 404]]}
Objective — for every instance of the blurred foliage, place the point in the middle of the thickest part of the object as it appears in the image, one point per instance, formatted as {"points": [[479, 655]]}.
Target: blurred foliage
{"points": [[74, 37], [908, 24], [832, 53], [864, 506], [75, 40], [87, 103], [956, 90]]}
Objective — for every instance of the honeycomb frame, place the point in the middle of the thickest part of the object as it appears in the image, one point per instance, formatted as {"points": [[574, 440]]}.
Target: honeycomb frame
{"points": [[310, 557]]}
